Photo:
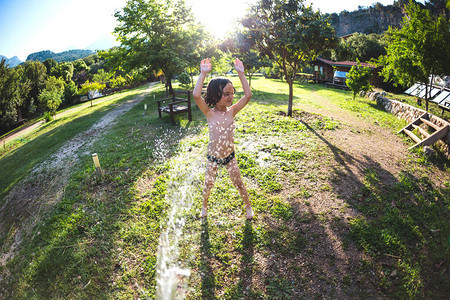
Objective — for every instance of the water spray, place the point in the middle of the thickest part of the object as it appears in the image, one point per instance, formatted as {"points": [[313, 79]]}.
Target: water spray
{"points": [[184, 179]]}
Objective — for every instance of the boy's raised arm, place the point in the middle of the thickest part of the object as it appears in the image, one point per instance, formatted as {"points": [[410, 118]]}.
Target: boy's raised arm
{"points": [[247, 90], [205, 68]]}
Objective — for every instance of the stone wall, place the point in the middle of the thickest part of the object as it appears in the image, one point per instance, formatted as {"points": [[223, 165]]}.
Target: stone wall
{"points": [[407, 112]]}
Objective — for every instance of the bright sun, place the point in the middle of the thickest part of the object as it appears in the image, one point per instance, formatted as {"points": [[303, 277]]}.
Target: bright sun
{"points": [[219, 17]]}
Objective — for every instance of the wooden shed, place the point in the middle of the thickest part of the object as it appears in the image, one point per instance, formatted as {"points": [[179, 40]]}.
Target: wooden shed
{"points": [[324, 70]]}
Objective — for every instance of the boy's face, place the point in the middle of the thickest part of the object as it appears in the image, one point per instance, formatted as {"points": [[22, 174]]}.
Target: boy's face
{"points": [[227, 95]]}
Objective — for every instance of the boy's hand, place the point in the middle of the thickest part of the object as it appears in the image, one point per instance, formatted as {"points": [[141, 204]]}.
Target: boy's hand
{"points": [[205, 66], [239, 65]]}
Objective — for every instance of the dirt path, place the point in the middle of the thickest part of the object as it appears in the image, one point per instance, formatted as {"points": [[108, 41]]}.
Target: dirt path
{"points": [[358, 146], [362, 139], [43, 186], [28, 129]]}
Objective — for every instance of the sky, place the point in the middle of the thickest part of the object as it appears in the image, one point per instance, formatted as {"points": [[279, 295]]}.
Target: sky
{"points": [[28, 26]]}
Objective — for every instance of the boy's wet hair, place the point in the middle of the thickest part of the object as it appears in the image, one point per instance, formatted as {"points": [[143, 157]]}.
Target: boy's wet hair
{"points": [[214, 91]]}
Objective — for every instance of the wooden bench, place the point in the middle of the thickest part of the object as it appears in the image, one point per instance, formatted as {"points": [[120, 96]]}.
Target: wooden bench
{"points": [[174, 105]]}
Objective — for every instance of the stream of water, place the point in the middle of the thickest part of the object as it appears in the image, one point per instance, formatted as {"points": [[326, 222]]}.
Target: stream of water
{"points": [[184, 181]]}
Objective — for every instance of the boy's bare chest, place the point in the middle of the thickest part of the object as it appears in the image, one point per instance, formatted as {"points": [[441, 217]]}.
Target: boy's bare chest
{"points": [[221, 120]]}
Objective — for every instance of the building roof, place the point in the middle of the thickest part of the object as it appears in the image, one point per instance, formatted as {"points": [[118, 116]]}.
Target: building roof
{"points": [[345, 63]]}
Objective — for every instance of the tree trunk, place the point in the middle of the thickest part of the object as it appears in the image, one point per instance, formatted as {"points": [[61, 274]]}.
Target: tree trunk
{"points": [[291, 97], [19, 113], [426, 97], [169, 86]]}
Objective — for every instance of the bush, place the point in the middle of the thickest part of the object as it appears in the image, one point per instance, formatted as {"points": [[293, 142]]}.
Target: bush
{"points": [[91, 86], [50, 100], [70, 92], [101, 76], [48, 116], [119, 81], [184, 78], [358, 79]]}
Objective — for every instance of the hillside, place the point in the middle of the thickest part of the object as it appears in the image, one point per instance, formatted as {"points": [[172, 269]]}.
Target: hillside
{"points": [[70, 55], [11, 62]]}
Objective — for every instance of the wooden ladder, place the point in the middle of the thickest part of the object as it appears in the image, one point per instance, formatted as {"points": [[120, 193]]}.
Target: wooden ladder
{"points": [[428, 138]]}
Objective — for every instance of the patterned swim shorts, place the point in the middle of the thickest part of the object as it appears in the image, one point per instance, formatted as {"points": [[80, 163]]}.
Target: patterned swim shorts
{"points": [[221, 161]]}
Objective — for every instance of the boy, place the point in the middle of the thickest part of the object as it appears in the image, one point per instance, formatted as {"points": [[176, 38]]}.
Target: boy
{"points": [[220, 112]]}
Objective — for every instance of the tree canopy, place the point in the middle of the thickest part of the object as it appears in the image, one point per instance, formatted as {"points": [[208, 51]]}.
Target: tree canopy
{"points": [[242, 47], [10, 98], [290, 33], [362, 47], [417, 51], [158, 33]]}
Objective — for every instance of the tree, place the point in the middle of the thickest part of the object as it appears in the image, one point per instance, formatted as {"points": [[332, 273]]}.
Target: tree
{"points": [[358, 79], [90, 87], [34, 74], [10, 98], [157, 33], [101, 76], [51, 97], [79, 66], [241, 47], [362, 47], [64, 70], [418, 51], [439, 7], [184, 79], [119, 81], [91, 59], [50, 100], [53, 83], [80, 69], [204, 48], [50, 63], [221, 62], [117, 59], [289, 33], [70, 92]]}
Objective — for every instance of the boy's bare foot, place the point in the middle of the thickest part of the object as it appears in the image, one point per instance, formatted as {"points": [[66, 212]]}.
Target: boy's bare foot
{"points": [[203, 213], [250, 213]]}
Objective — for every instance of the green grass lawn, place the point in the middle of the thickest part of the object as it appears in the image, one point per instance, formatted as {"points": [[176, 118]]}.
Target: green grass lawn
{"points": [[329, 224]]}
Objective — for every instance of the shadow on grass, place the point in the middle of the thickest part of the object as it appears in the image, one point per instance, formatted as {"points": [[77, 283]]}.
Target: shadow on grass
{"points": [[439, 158], [397, 221], [208, 286], [78, 248], [247, 260]]}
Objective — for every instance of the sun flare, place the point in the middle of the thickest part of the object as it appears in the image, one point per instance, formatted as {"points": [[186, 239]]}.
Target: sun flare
{"points": [[219, 17]]}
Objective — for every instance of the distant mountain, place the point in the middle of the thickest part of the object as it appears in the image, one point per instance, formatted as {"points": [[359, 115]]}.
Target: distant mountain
{"points": [[70, 55], [11, 62], [104, 42]]}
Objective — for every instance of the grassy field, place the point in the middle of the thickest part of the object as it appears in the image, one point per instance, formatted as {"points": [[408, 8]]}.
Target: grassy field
{"points": [[341, 210]]}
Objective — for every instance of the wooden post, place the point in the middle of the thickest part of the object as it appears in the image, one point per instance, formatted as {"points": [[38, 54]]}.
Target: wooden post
{"points": [[97, 165]]}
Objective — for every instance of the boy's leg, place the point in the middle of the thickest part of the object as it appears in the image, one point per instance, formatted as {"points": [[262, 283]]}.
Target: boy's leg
{"points": [[235, 176], [210, 178]]}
